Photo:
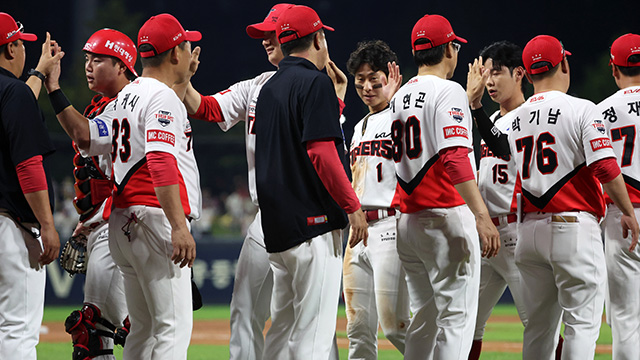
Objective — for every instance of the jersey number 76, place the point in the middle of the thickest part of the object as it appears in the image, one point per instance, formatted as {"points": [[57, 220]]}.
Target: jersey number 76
{"points": [[546, 158]]}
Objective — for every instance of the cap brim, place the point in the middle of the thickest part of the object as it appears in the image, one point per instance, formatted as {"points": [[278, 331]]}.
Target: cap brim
{"points": [[462, 40], [256, 31], [28, 37], [328, 28], [193, 35], [567, 53]]}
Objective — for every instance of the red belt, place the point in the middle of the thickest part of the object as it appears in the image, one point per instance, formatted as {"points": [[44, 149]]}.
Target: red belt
{"points": [[379, 214], [511, 218]]}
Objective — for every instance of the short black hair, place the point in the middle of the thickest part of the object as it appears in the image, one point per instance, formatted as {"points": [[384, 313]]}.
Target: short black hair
{"points": [[2, 47], [297, 45], [428, 57], [376, 53], [505, 53], [631, 70], [155, 61], [547, 74]]}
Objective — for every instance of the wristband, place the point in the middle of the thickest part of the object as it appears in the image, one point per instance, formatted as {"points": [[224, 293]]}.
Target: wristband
{"points": [[34, 72], [58, 101]]}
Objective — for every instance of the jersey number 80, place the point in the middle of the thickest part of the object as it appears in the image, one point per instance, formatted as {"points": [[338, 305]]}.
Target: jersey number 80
{"points": [[411, 138]]}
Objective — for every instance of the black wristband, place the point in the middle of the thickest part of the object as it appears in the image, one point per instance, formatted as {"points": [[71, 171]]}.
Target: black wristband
{"points": [[34, 72], [58, 101]]}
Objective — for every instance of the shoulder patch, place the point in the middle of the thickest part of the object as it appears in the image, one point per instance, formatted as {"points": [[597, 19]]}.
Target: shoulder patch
{"points": [[599, 125], [456, 114], [102, 127], [164, 117]]}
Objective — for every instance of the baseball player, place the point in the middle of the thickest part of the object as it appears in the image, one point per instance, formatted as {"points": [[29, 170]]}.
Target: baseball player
{"points": [[499, 69], [374, 286], [562, 155], [303, 190], [110, 57], [619, 113], [157, 189], [438, 198], [251, 298], [29, 239]]}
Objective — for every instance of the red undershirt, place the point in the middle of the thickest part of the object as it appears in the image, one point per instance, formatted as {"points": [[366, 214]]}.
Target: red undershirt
{"points": [[605, 169], [31, 175], [163, 168], [456, 164], [325, 159]]}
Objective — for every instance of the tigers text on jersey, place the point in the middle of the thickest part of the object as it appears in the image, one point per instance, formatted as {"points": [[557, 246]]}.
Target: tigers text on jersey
{"points": [[146, 116], [554, 138], [238, 103], [620, 114], [372, 166], [429, 114], [497, 174]]}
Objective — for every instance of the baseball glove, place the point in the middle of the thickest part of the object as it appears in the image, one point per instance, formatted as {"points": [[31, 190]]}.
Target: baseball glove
{"points": [[73, 258]]}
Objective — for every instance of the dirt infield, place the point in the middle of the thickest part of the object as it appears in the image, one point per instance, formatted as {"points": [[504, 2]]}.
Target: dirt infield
{"points": [[216, 332]]}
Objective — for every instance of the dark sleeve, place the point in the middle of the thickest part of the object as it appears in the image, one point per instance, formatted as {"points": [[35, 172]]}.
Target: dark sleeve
{"points": [[320, 111], [24, 124], [494, 138]]}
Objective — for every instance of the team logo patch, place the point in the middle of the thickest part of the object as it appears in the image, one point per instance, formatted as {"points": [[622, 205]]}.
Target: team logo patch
{"points": [[456, 114], [103, 130], [164, 117], [162, 136], [317, 220], [455, 131], [599, 125], [601, 143]]}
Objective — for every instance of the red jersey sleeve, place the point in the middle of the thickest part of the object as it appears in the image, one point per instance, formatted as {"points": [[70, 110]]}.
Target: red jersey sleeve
{"points": [[456, 164], [209, 110], [31, 175]]}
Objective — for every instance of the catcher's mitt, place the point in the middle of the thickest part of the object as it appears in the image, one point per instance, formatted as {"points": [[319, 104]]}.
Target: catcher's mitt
{"points": [[73, 258]]}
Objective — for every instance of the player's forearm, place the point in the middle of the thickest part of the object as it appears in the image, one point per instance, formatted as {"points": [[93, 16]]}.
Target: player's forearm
{"points": [[617, 191], [39, 204], [76, 126], [494, 138], [169, 199], [192, 99], [35, 84], [469, 192]]}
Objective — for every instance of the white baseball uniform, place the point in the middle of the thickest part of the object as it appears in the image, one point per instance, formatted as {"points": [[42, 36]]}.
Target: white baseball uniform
{"points": [[251, 298], [148, 116], [554, 139], [496, 182], [620, 114], [374, 283], [437, 238]]}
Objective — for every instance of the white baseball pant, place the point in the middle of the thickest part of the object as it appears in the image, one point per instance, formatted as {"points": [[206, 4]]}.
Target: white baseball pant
{"points": [[375, 290], [251, 298], [623, 271], [304, 303], [158, 292], [22, 282], [562, 267], [440, 254], [496, 274]]}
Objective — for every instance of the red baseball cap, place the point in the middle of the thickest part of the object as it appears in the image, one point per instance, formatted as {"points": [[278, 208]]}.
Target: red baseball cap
{"points": [[164, 32], [624, 47], [11, 31], [543, 48], [257, 31], [434, 28], [300, 19]]}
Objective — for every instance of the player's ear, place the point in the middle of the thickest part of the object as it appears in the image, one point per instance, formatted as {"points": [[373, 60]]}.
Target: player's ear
{"points": [[518, 73], [615, 72], [528, 77], [174, 56], [317, 41], [565, 65]]}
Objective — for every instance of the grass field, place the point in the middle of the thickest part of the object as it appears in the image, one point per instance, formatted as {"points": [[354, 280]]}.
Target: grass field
{"points": [[502, 330]]}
